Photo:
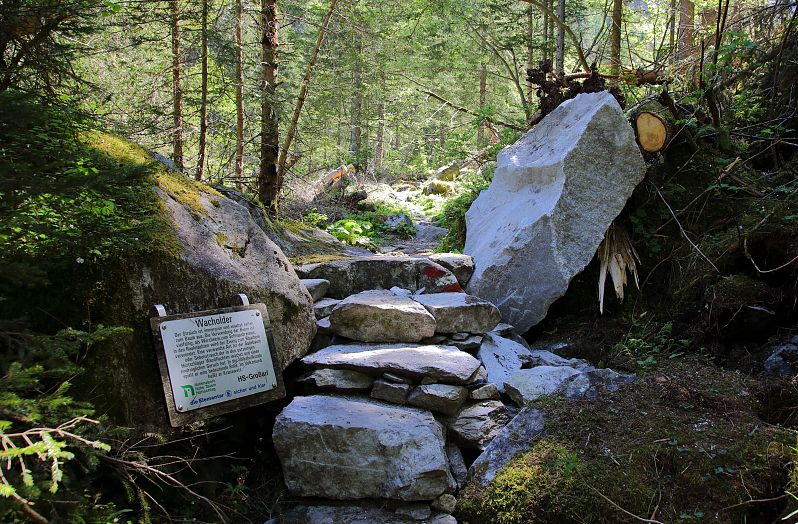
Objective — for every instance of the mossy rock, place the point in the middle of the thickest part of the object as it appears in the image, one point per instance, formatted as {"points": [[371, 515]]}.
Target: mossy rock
{"points": [[683, 443]]}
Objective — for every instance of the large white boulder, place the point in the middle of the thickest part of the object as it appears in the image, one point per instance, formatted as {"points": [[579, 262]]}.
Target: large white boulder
{"points": [[554, 194], [353, 448]]}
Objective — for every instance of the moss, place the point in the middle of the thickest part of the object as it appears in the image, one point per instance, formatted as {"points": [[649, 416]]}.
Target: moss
{"points": [[685, 440], [221, 239], [315, 259], [186, 191]]}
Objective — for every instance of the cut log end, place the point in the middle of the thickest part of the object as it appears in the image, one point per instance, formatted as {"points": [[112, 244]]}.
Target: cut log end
{"points": [[652, 132]]}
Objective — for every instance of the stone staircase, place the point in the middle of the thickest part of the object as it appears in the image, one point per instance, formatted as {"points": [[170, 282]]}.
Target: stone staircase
{"points": [[402, 384]]}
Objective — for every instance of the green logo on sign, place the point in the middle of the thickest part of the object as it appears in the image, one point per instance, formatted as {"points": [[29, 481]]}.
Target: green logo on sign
{"points": [[188, 390]]}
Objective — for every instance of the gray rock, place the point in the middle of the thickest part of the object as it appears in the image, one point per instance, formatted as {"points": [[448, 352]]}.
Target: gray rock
{"points": [[427, 381], [460, 336], [444, 363], [324, 307], [393, 392], [541, 357], [340, 379], [502, 330], [461, 265], [427, 233], [501, 357], [442, 398], [435, 339], [414, 512], [587, 384], [372, 514], [782, 361], [516, 437], [527, 385], [470, 344], [457, 464], [400, 292], [354, 448], [218, 252], [457, 312], [446, 503], [381, 316], [323, 326], [448, 173], [353, 275], [554, 194], [391, 377], [486, 392], [477, 424], [317, 287]]}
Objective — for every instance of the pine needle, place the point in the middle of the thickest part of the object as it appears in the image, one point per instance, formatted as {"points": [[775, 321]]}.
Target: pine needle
{"points": [[617, 256]]}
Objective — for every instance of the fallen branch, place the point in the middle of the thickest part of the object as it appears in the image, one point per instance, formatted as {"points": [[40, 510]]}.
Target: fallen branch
{"points": [[472, 113], [631, 76], [684, 233], [626, 512]]}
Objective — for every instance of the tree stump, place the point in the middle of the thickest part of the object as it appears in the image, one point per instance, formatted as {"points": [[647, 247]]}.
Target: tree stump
{"points": [[653, 124]]}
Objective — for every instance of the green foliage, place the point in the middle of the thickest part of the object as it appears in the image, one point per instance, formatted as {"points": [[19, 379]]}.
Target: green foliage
{"points": [[645, 342], [314, 218], [453, 211], [43, 427], [352, 231], [65, 194]]}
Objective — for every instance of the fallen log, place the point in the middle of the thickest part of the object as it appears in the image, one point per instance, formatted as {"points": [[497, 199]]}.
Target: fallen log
{"points": [[653, 124]]}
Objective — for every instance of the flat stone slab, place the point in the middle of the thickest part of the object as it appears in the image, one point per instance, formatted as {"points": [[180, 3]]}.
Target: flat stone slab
{"points": [[352, 448], [340, 379], [441, 398], [393, 392], [317, 287], [501, 357], [460, 312], [381, 316], [516, 437], [353, 275], [461, 265], [527, 385], [355, 515], [553, 195], [324, 307], [477, 424], [443, 363], [542, 357]]}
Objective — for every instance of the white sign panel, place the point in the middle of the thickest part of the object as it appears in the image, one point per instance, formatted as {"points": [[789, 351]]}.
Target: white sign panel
{"points": [[216, 358]]}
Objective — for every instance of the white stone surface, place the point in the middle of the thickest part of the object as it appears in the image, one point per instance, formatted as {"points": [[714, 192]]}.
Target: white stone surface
{"points": [[352, 448], [381, 316], [526, 385], [443, 363], [554, 194], [501, 357], [460, 312]]}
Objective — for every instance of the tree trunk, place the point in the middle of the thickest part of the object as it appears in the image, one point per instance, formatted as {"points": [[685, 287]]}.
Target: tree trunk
{"points": [[546, 41], [379, 141], [268, 182], [483, 92], [615, 37], [203, 137], [653, 123], [686, 21], [355, 129], [239, 37], [560, 59], [672, 33], [177, 89], [283, 163]]}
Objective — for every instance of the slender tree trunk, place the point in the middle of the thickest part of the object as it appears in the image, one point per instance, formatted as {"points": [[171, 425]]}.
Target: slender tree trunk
{"points": [[546, 28], [355, 129], [686, 31], [379, 140], [483, 97], [672, 33], [268, 182], [203, 137], [283, 163], [177, 89], [615, 37], [560, 59], [239, 37], [530, 53]]}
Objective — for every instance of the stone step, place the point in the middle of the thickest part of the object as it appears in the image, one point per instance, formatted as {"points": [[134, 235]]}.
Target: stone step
{"points": [[459, 312], [381, 316]]}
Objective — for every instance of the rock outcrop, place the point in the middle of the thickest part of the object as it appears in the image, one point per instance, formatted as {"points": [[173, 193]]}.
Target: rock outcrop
{"points": [[554, 194], [220, 251]]}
